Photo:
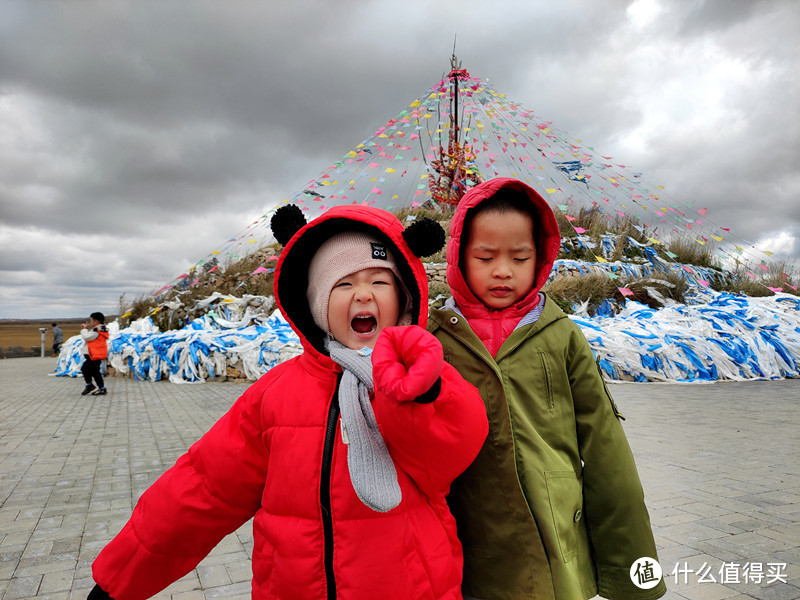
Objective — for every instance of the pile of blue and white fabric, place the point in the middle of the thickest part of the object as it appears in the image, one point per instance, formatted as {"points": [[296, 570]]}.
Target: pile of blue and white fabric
{"points": [[724, 337], [713, 336], [207, 347]]}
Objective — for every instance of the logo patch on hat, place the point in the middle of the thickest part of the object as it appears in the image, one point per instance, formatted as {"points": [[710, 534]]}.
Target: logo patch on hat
{"points": [[379, 251]]}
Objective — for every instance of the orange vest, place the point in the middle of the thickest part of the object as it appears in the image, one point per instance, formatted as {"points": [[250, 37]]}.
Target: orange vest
{"points": [[98, 350]]}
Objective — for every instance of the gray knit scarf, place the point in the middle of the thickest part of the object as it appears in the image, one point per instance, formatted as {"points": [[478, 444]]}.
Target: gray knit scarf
{"points": [[372, 472]]}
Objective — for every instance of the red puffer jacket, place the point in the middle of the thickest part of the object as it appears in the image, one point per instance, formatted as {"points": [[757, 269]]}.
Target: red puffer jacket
{"points": [[278, 455]]}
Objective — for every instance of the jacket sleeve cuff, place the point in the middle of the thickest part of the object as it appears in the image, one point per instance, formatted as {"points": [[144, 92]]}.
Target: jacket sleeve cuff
{"points": [[98, 593], [431, 394]]}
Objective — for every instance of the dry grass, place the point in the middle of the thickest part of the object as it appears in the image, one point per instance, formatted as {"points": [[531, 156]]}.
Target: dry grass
{"points": [[26, 333], [443, 216], [776, 276], [690, 252], [651, 290], [685, 248], [569, 290], [598, 223], [235, 278]]}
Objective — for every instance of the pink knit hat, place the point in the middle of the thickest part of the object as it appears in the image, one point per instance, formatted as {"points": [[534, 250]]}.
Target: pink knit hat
{"points": [[342, 255]]}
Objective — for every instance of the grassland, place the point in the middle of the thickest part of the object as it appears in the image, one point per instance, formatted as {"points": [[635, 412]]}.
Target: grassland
{"points": [[25, 332]]}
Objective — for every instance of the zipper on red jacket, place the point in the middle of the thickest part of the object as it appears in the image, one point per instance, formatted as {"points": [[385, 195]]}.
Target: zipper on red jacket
{"points": [[325, 489]]}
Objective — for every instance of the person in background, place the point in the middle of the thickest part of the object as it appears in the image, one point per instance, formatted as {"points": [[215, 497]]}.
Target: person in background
{"points": [[95, 351], [58, 339]]}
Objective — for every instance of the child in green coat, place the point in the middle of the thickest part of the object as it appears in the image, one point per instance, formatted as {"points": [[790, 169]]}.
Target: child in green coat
{"points": [[552, 507]]}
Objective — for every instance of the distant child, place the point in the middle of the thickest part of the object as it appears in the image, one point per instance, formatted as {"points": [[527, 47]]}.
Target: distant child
{"points": [[552, 507], [58, 339], [343, 454], [95, 351]]}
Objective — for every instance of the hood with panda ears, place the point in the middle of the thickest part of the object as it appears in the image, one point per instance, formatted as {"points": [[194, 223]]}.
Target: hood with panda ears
{"points": [[301, 240]]}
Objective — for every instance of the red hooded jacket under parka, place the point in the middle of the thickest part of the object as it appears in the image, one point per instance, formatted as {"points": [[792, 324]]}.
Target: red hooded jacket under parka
{"points": [[494, 326], [278, 456]]}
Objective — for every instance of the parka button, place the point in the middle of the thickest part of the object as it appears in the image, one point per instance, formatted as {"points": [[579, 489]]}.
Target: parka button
{"points": [[577, 516], [453, 320]]}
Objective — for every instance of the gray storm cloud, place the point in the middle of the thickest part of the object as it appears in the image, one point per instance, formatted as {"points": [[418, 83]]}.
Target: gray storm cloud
{"points": [[136, 136]]}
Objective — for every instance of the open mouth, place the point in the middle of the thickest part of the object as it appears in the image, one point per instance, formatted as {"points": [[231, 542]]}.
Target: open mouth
{"points": [[364, 324]]}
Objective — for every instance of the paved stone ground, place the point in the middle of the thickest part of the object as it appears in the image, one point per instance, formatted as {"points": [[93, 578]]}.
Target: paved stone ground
{"points": [[719, 464]]}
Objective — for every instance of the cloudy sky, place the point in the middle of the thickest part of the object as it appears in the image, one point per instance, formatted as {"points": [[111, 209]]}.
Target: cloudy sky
{"points": [[137, 136]]}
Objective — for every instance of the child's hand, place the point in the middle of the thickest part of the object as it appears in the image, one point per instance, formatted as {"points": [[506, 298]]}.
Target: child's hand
{"points": [[406, 362]]}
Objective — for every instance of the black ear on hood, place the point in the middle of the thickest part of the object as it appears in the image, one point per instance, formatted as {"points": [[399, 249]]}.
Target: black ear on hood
{"points": [[424, 237], [287, 221]]}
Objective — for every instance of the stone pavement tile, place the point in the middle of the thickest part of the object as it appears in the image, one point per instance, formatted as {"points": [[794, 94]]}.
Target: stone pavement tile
{"points": [[676, 518], [22, 587], [213, 575], [757, 544], [59, 581], [757, 519], [8, 563], [670, 595], [788, 511], [688, 533], [37, 549], [789, 534], [720, 524], [704, 509], [81, 586], [776, 591], [42, 565], [670, 556], [239, 571], [187, 583], [723, 551], [230, 592], [706, 591], [790, 556], [193, 595]]}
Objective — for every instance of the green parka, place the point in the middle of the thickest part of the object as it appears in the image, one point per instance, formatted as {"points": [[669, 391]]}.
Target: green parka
{"points": [[552, 507]]}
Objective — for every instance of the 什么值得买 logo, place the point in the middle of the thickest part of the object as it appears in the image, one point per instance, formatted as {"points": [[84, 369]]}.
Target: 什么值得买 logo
{"points": [[645, 573]]}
